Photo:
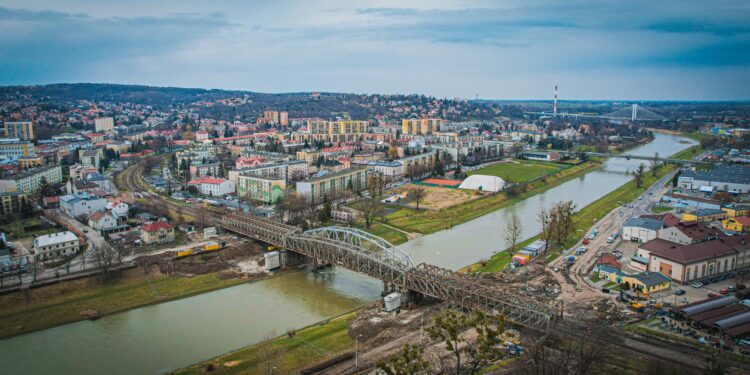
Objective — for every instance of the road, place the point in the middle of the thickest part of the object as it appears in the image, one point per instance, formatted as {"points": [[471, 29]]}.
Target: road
{"points": [[609, 224]]}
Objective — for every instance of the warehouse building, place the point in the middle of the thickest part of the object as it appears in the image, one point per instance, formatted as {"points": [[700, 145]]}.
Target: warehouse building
{"points": [[732, 178]]}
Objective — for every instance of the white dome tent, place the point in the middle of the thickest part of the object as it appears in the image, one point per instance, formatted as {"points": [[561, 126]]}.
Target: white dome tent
{"points": [[483, 183]]}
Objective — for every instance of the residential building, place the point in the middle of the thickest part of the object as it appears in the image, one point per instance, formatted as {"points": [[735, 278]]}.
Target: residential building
{"points": [[738, 224], [80, 172], [243, 162], [102, 220], [315, 188], [213, 186], [641, 230], [81, 204], [271, 116], [119, 208], [265, 189], [11, 199], [418, 165], [91, 157], [391, 170], [732, 178], [23, 130], [310, 156], [30, 181], [157, 233], [422, 126], [688, 232], [104, 124], [15, 147], [50, 246], [288, 170], [29, 162], [284, 118], [334, 131], [202, 170], [100, 180]]}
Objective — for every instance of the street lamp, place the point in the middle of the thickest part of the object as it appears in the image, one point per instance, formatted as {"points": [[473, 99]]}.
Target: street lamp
{"points": [[356, 351]]}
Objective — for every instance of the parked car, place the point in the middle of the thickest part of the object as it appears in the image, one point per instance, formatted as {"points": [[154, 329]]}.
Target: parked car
{"points": [[712, 295], [592, 236], [610, 239], [679, 292], [697, 284], [586, 241], [605, 290], [724, 291], [732, 288]]}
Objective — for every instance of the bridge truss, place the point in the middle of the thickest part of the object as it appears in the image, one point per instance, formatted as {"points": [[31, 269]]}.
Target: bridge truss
{"points": [[365, 253]]}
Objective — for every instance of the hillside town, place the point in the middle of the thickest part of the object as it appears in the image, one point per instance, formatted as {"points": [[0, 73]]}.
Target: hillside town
{"points": [[99, 189]]}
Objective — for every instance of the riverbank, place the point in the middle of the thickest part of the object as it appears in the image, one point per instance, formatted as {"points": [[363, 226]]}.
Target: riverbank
{"points": [[54, 305], [427, 222], [588, 215], [287, 354]]}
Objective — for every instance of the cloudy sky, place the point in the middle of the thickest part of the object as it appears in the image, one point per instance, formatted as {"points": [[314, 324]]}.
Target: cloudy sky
{"points": [[666, 49]]}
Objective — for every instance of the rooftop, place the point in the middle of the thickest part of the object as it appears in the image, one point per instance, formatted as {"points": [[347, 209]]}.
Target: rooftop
{"points": [[54, 238], [644, 222], [156, 225]]}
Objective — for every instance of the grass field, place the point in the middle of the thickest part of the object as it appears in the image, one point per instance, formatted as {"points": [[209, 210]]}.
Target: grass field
{"points": [[15, 229], [287, 354], [62, 303], [519, 170], [426, 222], [393, 236]]}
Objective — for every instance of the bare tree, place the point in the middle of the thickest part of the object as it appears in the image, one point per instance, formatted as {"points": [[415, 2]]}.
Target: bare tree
{"points": [[270, 353], [654, 164], [638, 175], [106, 257], [513, 230], [370, 208], [545, 219], [376, 185], [417, 193]]}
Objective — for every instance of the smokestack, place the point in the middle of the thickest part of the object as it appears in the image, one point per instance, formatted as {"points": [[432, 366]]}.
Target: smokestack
{"points": [[554, 108]]}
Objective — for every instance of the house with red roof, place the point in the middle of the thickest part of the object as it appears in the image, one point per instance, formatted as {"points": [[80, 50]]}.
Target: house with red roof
{"points": [[157, 232], [213, 186]]}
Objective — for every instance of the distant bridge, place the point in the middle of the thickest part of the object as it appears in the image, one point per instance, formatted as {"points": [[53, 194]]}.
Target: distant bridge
{"points": [[365, 253], [649, 158]]}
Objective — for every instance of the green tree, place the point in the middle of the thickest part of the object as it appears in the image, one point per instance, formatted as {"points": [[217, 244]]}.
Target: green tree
{"points": [[447, 329], [410, 361]]}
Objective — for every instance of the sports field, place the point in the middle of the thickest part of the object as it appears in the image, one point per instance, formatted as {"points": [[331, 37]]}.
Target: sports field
{"points": [[519, 170], [437, 198]]}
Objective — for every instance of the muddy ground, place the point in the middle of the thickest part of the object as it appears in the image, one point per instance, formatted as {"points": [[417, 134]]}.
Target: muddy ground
{"points": [[236, 260]]}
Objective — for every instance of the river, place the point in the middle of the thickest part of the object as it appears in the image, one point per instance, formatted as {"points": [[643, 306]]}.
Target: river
{"points": [[172, 335], [469, 242]]}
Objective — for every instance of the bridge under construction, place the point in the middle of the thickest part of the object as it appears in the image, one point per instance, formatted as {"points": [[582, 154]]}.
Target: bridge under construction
{"points": [[365, 253]]}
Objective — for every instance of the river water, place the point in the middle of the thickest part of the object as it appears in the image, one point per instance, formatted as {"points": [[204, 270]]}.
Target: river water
{"points": [[469, 242], [172, 335]]}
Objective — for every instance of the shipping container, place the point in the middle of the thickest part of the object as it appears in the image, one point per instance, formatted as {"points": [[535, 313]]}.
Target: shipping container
{"points": [[272, 260], [392, 301], [521, 259]]}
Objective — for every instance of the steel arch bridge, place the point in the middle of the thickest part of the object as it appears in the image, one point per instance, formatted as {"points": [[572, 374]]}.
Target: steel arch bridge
{"points": [[365, 253]]}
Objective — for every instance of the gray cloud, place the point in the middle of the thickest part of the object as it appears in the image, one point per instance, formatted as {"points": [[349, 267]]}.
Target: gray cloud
{"points": [[508, 49]]}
